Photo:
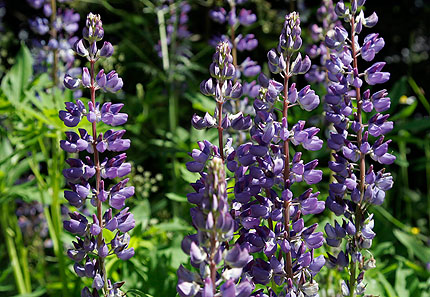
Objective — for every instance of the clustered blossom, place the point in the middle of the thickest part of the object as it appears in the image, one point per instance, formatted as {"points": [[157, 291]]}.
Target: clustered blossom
{"points": [[273, 244], [65, 25], [88, 178], [220, 269], [353, 140]]}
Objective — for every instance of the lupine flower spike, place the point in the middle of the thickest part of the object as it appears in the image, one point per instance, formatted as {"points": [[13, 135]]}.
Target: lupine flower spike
{"points": [[267, 217], [89, 177], [268, 211], [353, 140], [220, 268]]}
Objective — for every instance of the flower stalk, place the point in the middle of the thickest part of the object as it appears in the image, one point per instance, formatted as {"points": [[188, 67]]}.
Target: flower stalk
{"points": [[261, 167], [288, 259], [91, 249], [351, 147], [358, 215]]}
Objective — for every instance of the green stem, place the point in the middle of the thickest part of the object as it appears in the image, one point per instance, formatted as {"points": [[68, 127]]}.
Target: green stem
{"points": [[9, 235], [420, 94], [352, 269], [55, 178], [173, 98], [53, 216], [163, 39], [220, 130], [22, 251]]}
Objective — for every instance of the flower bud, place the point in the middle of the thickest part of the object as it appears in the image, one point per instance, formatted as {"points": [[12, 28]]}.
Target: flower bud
{"points": [[71, 82], [86, 79], [106, 50], [80, 48]]}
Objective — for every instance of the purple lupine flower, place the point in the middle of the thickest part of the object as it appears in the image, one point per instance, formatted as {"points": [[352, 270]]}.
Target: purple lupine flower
{"points": [[246, 17], [73, 113], [106, 50], [374, 76], [269, 165], [110, 114], [247, 42], [71, 82], [39, 25], [90, 249], [110, 82], [222, 88], [36, 4], [250, 68], [74, 143], [350, 195], [112, 141], [218, 15]]}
